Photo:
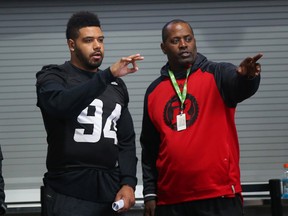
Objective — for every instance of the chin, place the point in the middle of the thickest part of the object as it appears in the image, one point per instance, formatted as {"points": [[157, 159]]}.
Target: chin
{"points": [[96, 64], [186, 63]]}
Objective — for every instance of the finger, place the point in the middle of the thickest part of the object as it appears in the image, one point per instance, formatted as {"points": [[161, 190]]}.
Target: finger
{"points": [[136, 57], [258, 67], [132, 70], [257, 57], [131, 60], [126, 59], [135, 66], [239, 70]]}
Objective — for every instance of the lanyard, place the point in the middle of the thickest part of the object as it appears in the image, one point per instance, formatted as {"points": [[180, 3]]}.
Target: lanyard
{"points": [[181, 96]]}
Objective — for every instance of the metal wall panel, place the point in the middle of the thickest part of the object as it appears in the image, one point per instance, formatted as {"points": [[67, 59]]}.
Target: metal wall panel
{"points": [[32, 35]]}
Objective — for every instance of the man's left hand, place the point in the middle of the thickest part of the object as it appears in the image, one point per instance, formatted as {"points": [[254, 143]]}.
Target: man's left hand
{"points": [[249, 66], [127, 194]]}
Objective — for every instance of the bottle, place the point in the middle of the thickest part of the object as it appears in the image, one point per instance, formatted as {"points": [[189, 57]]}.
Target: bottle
{"points": [[285, 182]]}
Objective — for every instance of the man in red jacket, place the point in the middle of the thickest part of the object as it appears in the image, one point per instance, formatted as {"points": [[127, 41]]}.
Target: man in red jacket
{"points": [[190, 149]]}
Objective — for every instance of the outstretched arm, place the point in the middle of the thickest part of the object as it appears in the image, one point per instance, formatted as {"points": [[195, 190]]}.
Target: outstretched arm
{"points": [[238, 83]]}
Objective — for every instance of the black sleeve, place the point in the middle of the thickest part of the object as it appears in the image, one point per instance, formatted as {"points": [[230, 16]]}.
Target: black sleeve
{"points": [[126, 143], [127, 149], [57, 99], [150, 141], [233, 87], [2, 186]]}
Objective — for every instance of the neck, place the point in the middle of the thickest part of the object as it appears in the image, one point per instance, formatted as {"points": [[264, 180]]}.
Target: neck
{"points": [[81, 66], [179, 69]]}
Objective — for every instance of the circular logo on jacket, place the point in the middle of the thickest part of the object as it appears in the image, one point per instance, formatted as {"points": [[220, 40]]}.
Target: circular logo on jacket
{"points": [[172, 109]]}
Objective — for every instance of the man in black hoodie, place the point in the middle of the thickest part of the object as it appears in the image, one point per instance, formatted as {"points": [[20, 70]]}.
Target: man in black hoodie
{"points": [[91, 157]]}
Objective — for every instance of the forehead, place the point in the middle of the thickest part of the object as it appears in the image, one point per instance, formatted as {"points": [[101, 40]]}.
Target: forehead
{"points": [[179, 29], [90, 31]]}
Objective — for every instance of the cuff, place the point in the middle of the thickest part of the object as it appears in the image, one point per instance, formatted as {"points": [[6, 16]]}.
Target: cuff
{"points": [[107, 75], [132, 182], [148, 197]]}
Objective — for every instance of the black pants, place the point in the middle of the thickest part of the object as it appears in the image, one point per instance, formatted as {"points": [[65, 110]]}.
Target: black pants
{"points": [[56, 204], [209, 207]]}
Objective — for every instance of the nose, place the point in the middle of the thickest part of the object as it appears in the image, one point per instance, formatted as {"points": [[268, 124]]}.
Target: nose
{"points": [[96, 45], [182, 43]]}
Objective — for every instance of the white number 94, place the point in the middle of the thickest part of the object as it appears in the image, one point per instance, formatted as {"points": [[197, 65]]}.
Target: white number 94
{"points": [[109, 130]]}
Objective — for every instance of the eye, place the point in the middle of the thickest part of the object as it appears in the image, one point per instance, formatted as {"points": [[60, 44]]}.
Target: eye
{"points": [[188, 39], [100, 40], [88, 40], [175, 40]]}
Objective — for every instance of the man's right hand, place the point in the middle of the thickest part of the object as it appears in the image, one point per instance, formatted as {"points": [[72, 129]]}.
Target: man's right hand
{"points": [[149, 209], [120, 68]]}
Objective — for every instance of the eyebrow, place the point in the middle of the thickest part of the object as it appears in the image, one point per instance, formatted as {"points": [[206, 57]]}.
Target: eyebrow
{"points": [[102, 37], [188, 35]]}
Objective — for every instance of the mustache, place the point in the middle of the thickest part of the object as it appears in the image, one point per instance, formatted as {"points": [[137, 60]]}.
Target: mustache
{"points": [[96, 53], [184, 51]]}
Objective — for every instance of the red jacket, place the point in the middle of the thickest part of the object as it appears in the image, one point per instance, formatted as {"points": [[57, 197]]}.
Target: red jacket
{"points": [[202, 161]]}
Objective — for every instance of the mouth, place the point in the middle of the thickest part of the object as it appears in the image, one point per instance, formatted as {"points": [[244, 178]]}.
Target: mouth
{"points": [[185, 54], [96, 56]]}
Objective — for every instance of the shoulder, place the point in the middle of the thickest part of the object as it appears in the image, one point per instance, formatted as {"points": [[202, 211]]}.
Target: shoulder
{"points": [[213, 67], [154, 84], [218, 67], [51, 72]]}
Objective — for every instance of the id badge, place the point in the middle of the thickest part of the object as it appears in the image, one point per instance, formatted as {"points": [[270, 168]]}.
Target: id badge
{"points": [[181, 121]]}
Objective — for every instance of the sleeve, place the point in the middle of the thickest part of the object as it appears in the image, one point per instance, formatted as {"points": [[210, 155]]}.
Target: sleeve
{"points": [[56, 99], [126, 143], [233, 87], [127, 149], [2, 185], [150, 141]]}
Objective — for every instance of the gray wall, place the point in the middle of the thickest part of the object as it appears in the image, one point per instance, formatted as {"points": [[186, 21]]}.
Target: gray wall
{"points": [[32, 35]]}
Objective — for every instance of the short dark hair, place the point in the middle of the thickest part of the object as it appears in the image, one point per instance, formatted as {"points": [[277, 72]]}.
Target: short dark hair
{"points": [[164, 29], [80, 20]]}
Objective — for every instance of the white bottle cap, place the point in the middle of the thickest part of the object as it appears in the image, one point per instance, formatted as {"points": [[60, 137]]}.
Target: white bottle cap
{"points": [[118, 205]]}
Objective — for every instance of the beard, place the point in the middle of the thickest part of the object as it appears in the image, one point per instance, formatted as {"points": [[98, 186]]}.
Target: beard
{"points": [[87, 62]]}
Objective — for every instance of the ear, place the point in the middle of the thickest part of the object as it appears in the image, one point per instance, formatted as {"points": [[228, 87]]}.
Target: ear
{"points": [[163, 48], [71, 45]]}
